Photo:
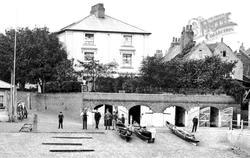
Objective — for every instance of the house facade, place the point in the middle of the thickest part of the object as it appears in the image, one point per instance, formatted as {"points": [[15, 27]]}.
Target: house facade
{"points": [[4, 100], [106, 39], [201, 50]]}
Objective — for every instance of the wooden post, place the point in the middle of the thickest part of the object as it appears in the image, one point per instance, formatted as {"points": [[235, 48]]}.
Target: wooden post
{"points": [[241, 124], [35, 121]]}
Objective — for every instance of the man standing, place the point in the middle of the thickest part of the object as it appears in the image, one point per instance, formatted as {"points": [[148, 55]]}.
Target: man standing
{"points": [[97, 118], [107, 120], [84, 118], [114, 119], [195, 124], [60, 119], [123, 119]]}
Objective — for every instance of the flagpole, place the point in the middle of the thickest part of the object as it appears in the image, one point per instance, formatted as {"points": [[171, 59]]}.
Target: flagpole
{"points": [[14, 79], [14, 74]]}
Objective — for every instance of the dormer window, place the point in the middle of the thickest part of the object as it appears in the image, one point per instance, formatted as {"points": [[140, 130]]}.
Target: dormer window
{"points": [[89, 39], [127, 40]]}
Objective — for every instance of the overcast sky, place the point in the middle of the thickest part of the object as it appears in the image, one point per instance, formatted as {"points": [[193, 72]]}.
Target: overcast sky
{"points": [[163, 18]]}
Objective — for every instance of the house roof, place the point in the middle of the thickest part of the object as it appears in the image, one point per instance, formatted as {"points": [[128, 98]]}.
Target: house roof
{"points": [[247, 51], [4, 85], [172, 52], [109, 24], [212, 46], [246, 62]]}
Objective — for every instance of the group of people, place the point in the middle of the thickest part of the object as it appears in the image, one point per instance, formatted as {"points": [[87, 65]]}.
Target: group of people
{"points": [[109, 119]]}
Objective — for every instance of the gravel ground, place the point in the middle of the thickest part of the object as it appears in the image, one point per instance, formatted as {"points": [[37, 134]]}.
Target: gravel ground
{"points": [[107, 143]]}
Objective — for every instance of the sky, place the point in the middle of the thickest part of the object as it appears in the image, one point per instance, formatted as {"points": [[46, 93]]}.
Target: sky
{"points": [[163, 18]]}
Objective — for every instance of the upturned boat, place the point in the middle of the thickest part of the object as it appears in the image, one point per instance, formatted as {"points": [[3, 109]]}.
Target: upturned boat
{"points": [[187, 136]]}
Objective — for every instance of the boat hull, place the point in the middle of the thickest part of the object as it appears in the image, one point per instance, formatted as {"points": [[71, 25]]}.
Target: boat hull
{"points": [[144, 134], [182, 134]]}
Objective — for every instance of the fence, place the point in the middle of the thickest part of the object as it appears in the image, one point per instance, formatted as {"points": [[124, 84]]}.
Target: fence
{"points": [[239, 124]]}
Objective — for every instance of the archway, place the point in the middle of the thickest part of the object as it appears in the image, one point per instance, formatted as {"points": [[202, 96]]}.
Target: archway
{"points": [[214, 117], [135, 114], [141, 114], [102, 108], [180, 116]]}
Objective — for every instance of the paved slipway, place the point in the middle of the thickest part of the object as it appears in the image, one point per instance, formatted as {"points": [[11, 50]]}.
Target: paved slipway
{"points": [[107, 144]]}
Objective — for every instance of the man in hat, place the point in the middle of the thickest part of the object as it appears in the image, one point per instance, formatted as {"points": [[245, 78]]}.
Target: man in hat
{"points": [[97, 118], [60, 120], [195, 124]]}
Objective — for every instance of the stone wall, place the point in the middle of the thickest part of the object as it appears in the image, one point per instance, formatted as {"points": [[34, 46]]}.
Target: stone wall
{"points": [[69, 103], [72, 103]]}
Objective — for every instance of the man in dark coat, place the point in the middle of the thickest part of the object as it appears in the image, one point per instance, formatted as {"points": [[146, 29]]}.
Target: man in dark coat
{"points": [[195, 124], [97, 118], [107, 120], [123, 119], [85, 119], [60, 120]]}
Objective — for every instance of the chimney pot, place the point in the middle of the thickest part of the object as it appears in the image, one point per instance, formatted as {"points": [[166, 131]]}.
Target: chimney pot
{"points": [[98, 10]]}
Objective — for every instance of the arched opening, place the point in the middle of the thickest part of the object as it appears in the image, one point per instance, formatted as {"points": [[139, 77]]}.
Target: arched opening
{"points": [[135, 114], [123, 111], [209, 117], [141, 114], [102, 108], [179, 116], [214, 117]]}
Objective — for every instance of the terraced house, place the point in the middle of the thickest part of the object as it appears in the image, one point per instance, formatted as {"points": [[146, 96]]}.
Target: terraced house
{"points": [[106, 39]]}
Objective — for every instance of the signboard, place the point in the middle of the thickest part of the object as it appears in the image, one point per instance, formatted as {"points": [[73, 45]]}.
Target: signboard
{"points": [[213, 27]]}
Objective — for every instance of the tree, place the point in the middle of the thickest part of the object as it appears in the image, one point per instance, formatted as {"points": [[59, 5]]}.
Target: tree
{"points": [[93, 70], [206, 74], [39, 56]]}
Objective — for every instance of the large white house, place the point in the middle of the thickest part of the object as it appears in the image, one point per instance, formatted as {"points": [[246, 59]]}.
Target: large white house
{"points": [[106, 39]]}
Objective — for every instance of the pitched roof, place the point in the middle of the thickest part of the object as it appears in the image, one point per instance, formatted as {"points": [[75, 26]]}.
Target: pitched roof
{"points": [[212, 46], [4, 85], [246, 62], [248, 51], [107, 24], [172, 52]]}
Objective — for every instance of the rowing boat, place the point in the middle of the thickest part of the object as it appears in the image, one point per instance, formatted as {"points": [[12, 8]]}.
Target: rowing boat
{"points": [[123, 131], [187, 136]]}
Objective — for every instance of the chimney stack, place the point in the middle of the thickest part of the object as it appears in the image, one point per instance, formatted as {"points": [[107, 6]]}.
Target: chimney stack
{"points": [[98, 10]]}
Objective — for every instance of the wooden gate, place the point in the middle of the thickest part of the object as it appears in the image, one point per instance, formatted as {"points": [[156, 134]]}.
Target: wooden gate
{"points": [[226, 116], [204, 118]]}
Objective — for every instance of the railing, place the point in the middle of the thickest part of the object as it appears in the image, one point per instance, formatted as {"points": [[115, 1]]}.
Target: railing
{"points": [[239, 124]]}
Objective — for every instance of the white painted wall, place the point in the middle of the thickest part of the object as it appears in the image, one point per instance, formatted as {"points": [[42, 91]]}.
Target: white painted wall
{"points": [[146, 116], [230, 56], [169, 115], [108, 47]]}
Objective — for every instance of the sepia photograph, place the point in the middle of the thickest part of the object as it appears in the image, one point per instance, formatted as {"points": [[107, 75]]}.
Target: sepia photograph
{"points": [[124, 79]]}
